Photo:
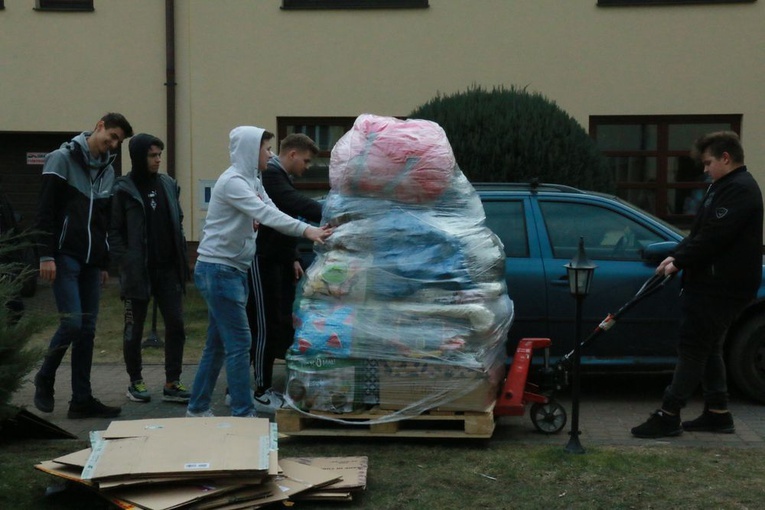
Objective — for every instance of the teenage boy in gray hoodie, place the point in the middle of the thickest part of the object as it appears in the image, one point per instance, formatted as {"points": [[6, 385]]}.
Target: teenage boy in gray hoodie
{"points": [[238, 205], [73, 215]]}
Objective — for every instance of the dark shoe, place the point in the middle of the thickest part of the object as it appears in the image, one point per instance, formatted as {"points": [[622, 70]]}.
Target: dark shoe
{"points": [[44, 394], [92, 408], [660, 424], [711, 422], [137, 392], [176, 392]]}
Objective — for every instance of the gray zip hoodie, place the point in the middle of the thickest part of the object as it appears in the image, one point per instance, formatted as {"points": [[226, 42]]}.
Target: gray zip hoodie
{"points": [[238, 199]]}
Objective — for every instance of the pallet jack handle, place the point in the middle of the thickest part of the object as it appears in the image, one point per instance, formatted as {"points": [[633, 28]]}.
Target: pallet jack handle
{"points": [[651, 286]]}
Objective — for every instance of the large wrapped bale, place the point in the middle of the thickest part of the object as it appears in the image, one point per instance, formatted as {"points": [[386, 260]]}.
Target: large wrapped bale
{"points": [[411, 277]]}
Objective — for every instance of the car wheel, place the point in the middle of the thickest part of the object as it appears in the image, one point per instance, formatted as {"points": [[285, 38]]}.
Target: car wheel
{"points": [[746, 360]]}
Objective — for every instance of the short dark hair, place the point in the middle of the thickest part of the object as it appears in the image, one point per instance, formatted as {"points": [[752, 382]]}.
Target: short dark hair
{"points": [[298, 142], [717, 143], [267, 135], [117, 120]]}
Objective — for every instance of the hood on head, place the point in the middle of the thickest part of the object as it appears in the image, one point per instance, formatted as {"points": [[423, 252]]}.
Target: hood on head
{"points": [[244, 148], [139, 149]]}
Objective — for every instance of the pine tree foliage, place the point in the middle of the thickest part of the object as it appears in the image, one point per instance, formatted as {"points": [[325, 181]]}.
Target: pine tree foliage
{"points": [[511, 135], [16, 358]]}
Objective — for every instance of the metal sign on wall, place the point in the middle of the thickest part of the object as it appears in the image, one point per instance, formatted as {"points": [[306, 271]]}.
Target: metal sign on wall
{"points": [[36, 158]]}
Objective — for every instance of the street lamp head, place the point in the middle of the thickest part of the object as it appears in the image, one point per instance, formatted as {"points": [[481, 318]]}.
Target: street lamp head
{"points": [[580, 272]]}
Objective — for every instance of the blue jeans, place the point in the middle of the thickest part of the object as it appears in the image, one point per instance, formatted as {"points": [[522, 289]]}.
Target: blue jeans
{"points": [[700, 359], [224, 288], [77, 289]]}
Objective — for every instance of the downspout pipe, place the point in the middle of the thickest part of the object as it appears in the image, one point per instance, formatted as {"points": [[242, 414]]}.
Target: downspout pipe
{"points": [[170, 84]]}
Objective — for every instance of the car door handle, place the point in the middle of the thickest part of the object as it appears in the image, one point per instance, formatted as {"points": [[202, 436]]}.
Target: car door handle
{"points": [[560, 282]]}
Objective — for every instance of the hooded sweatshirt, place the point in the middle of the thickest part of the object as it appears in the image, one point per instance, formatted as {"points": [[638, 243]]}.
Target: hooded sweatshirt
{"points": [[238, 199], [146, 229], [73, 213]]}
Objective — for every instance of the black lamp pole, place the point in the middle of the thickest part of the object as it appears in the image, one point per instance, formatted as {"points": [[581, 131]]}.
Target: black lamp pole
{"points": [[580, 272]]}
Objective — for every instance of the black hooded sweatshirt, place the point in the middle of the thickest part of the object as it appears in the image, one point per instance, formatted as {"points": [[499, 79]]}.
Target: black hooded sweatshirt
{"points": [[146, 229]]}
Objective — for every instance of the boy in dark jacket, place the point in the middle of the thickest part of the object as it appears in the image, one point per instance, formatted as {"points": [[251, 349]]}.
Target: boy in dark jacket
{"points": [[148, 243], [73, 215], [721, 260], [276, 268]]}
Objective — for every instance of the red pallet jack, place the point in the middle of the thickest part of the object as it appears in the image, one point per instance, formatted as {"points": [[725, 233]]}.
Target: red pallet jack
{"points": [[547, 415]]}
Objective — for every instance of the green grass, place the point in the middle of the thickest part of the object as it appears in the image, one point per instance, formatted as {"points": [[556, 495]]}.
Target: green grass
{"points": [[108, 342], [460, 474]]}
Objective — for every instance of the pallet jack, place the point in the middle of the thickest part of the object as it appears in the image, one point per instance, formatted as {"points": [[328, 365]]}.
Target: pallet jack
{"points": [[548, 415]]}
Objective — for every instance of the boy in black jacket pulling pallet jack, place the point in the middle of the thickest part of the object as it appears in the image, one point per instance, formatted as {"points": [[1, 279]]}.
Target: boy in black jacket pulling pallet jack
{"points": [[721, 260]]}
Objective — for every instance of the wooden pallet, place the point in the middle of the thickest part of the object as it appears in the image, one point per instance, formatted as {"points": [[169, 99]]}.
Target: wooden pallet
{"points": [[437, 424]]}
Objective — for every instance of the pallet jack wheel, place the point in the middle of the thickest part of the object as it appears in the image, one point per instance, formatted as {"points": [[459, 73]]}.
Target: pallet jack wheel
{"points": [[548, 418]]}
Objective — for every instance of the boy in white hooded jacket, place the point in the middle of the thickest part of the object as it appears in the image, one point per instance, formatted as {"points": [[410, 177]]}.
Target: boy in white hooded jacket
{"points": [[238, 205]]}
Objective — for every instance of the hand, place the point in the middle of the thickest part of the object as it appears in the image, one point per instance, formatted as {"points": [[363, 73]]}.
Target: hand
{"points": [[48, 270], [318, 235], [667, 267], [298, 269]]}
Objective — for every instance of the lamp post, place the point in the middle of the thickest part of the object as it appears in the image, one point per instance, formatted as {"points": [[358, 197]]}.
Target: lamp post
{"points": [[580, 272]]}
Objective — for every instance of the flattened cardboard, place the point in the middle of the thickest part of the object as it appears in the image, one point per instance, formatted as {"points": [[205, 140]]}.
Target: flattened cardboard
{"points": [[352, 470], [174, 495], [72, 474], [182, 446]]}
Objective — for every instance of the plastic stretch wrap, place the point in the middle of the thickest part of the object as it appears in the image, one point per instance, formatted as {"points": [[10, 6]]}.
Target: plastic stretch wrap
{"points": [[405, 306]]}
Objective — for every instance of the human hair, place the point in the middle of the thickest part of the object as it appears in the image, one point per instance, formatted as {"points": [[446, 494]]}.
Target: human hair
{"points": [[298, 142], [267, 136], [117, 120], [156, 142], [717, 143]]}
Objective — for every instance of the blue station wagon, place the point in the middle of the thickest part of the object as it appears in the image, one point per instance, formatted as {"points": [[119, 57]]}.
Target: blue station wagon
{"points": [[540, 227]]}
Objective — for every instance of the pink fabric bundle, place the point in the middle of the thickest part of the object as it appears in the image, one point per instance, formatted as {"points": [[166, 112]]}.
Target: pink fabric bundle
{"points": [[405, 160]]}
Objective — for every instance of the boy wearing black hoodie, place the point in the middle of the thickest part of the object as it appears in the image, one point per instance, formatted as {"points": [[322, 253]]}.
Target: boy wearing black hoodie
{"points": [[148, 243]]}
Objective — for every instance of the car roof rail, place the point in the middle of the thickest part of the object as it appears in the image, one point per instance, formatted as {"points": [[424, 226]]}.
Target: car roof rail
{"points": [[533, 186]]}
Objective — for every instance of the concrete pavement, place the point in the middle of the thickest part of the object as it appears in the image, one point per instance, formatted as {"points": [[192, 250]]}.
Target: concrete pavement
{"points": [[609, 406]]}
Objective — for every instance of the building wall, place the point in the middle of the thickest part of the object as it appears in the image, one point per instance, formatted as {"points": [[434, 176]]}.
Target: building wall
{"points": [[248, 62]]}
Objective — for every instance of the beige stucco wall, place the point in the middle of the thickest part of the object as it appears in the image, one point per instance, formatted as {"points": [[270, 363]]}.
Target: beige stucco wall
{"points": [[247, 62]]}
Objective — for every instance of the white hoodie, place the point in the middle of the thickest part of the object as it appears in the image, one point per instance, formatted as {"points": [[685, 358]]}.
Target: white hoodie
{"points": [[238, 199]]}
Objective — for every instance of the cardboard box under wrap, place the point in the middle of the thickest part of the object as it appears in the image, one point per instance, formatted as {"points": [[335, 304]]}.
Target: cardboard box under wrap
{"points": [[438, 386], [335, 385]]}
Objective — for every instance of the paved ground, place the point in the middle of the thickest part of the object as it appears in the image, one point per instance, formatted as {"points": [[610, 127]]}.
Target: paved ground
{"points": [[609, 407]]}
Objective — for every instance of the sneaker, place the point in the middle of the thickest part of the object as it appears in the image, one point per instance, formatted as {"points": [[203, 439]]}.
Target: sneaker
{"points": [[201, 414], [91, 408], [660, 424], [268, 402], [227, 399], [137, 392], [44, 394], [176, 392], [711, 422]]}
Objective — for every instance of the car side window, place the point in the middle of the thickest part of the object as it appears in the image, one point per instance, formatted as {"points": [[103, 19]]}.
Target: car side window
{"points": [[508, 221], [608, 235]]}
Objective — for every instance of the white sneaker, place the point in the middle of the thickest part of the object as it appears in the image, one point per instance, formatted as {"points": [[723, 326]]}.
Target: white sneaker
{"points": [[203, 414], [269, 402]]}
